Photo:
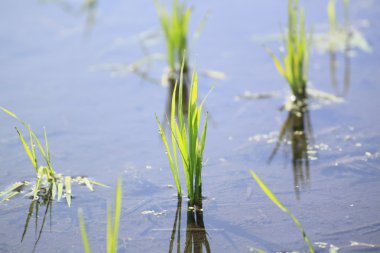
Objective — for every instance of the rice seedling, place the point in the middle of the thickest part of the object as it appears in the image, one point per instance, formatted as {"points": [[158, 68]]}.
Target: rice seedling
{"points": [[113, 221], [189, 140], [47, 180], [175, 29], [283, 208], [294, 65]]}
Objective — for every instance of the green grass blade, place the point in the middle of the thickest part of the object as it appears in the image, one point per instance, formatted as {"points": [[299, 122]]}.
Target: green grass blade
{"points": [[9, 113], [11, 188], [88, 184], [27, 149], [278, 203], [109, 228], [83, 232], [9, 196], [53, 190], [170, 158], [68, 190], [97, 183], [60, 190], [118, 197]]}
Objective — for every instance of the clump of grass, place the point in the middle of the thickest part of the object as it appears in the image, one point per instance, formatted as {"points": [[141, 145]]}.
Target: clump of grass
{"points": [[294, 65], [175, 28], [113, 221], [283, 208], [47, 180], [188, 139]]}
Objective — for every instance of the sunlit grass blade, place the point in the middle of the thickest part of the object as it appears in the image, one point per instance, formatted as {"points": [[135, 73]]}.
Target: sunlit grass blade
{"points": [[27, 149], [113, 221], [97, 183], [83, 232], [68, 190], [280, 205], [11, 188], [53, 190], [9, 196], [60, 190], [88, 184]]}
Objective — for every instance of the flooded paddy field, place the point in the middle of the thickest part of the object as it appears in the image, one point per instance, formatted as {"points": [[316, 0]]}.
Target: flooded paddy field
{"points": [[78, 73]]}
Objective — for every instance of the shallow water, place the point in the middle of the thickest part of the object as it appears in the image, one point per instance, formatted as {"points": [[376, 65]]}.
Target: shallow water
{"points": [[102, 124]]}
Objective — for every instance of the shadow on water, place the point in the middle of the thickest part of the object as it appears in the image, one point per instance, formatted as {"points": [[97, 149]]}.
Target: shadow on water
{"points": [[196, 236], [34, 208], [296, 134]]}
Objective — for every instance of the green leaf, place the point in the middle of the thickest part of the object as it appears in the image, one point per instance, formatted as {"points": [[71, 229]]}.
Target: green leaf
{"points": [[83, 231], [60, 190], [278, 203], [12, 188], [9, 196], [53, 190], [68, 190], [27, 149], [88, 184]]}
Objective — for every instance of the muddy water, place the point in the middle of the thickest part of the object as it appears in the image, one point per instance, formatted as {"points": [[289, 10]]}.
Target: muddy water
{"points": [[55, 73]]}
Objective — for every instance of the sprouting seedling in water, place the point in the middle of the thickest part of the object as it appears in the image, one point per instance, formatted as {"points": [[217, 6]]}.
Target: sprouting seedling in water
{"points": [[189, 140], [113, 222], [283, 208], [175, 29], [47, 180], [294, 65]]}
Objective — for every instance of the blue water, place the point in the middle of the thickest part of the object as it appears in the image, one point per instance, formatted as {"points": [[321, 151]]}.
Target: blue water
{"points": [[102, 124]]}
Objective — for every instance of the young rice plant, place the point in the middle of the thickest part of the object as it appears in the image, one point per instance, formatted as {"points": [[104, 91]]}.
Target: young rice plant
{"points": [[175, 28], [112, 224], [47, 180], [294, 66], [187, 140]]}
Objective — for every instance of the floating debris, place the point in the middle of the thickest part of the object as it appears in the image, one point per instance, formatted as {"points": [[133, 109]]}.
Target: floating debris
{"points": [[214, 74], [256, 96], [270, 137], [152, 212]]}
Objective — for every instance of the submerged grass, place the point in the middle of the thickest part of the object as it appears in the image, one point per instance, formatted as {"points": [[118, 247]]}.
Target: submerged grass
{"points": [[47, 180], [283, 208], [175, 28], [294, 66], [187, 140], [113, 221]]}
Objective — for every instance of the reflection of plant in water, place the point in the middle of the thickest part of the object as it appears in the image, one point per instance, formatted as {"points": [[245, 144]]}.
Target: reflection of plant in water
{"points": [[196, 235], [34, 207], [47, 180], [295, 64], [189, 140], [297, 132], [337, 32], [88, 7]]}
